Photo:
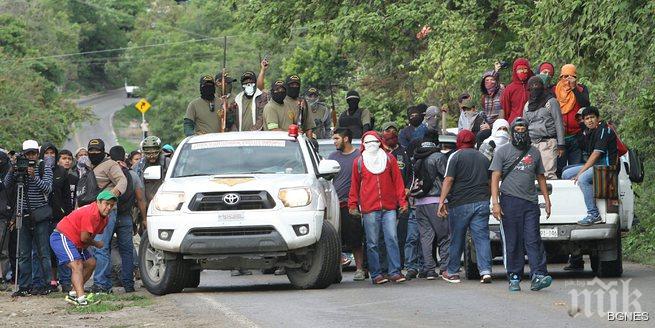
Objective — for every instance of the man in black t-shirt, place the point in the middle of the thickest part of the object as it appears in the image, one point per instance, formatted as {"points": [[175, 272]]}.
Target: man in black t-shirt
{"points": [[599, 149], [466, 188]]}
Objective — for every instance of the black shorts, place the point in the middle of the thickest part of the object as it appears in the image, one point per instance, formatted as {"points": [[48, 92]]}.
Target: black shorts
{"points": [[352, 231]]}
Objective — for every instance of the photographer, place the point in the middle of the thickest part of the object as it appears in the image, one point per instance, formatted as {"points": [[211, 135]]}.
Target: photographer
{"points": [[37, 214]]}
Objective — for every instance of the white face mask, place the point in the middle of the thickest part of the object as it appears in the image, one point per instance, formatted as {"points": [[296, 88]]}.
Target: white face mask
{"points": [[249, 89], [372, 146]]}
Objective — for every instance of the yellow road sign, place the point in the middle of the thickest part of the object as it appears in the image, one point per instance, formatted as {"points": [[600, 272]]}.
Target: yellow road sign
{"points": [[143, 105]]}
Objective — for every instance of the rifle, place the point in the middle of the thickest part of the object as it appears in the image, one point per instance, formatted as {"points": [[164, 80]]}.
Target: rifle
{"points": [[223, 88]]}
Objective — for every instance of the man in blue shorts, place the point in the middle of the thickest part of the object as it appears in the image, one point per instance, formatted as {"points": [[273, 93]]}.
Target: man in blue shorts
{"points": [[72, 237]]}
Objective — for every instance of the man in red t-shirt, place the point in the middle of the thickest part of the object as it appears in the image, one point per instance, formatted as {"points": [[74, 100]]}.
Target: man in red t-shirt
{"points": [[74, 234]]}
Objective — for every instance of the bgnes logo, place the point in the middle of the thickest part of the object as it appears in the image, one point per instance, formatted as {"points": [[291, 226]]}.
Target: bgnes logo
{"points": [[614, 300]]}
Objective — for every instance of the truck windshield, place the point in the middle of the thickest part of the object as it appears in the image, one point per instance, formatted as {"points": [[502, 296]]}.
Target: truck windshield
{"points": [[240, 157]]}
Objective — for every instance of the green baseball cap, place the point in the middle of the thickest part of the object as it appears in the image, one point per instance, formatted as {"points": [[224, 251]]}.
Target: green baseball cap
{"points": [[387, 125], [106, 195]]}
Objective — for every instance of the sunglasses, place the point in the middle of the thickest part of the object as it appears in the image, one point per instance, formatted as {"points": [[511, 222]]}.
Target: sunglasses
{"points": [[568, 76], [371, 141]]}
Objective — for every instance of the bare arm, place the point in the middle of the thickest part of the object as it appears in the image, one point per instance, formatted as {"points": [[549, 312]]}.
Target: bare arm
{"points": [[497, 211], [261, 84], [141, 201], [544, 191], [87, 240], [445, 190], [590, 163]]}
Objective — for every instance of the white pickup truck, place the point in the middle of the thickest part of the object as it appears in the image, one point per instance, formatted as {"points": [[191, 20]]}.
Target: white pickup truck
{"points": [[562, 235], [131, 91], [242, 200]]}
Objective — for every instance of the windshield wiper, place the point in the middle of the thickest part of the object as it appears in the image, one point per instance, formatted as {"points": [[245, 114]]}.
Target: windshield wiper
{"points": [[192, 175]]}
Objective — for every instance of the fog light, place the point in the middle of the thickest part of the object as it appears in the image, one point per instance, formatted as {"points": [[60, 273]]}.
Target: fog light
{"points": [[165, 234], [301, 229]]}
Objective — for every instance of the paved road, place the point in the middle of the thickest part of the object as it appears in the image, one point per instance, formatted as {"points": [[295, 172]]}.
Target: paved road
{"points": [[104, 106], [269, 301]]}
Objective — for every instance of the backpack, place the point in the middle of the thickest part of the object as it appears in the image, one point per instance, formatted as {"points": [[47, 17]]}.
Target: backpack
{"points": [[126, 199], [87, 188], [636, 169]]}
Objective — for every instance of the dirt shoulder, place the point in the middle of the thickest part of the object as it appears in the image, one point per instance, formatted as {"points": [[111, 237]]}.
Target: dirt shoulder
{"points": [[139, 309]]}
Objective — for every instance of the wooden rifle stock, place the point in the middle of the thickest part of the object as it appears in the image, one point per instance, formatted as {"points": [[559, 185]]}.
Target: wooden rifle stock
{"points": [[224, 99]]}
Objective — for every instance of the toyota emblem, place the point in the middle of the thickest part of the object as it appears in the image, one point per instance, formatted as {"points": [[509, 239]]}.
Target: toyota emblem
{"points": [[231, 199]]}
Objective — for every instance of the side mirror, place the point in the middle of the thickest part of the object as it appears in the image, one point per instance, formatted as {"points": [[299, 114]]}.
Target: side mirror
{"points": [[328, 168], [152, 173]]}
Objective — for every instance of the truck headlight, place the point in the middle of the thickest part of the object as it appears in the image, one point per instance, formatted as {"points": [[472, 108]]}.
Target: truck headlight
{"points": [[295, 197], [169, 201]]}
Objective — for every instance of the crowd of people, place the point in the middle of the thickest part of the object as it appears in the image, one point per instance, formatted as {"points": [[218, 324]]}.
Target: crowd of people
{"points": [[71, 203], [408, 194]]}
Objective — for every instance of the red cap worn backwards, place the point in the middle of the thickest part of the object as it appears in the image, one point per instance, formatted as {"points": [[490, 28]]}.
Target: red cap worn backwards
{"points": [[465, 139]]}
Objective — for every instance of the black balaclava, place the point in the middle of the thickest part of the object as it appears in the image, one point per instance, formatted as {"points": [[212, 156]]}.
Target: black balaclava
{"points": [[415, 121], [352, 98], [537, 93], [277, 94], [293, 91], [207, 88], [520, 140]]}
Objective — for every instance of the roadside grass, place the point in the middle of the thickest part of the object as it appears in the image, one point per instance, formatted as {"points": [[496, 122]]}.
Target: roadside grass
{"points": [[112, 302]]}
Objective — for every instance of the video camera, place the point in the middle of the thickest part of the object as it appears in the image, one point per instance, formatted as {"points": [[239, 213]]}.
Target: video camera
{"points": [[22, 164]]}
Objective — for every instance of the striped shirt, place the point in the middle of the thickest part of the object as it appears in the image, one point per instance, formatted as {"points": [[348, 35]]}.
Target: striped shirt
{"points": [[38, 188]]}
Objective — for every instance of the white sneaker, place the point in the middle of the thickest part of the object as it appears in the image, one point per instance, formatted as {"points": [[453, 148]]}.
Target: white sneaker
{"points": [[486, 279]]}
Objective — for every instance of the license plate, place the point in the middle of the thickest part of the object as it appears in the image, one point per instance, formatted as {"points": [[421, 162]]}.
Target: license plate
{"points": [[549, 233], [230, 216]]}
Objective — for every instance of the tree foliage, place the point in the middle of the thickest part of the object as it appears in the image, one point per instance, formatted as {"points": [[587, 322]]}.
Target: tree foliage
{"points": [[372, 46]]}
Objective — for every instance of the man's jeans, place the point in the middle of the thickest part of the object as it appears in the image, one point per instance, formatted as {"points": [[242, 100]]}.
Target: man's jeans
{"points": [[520, 232], [473, 216], [381, 222], [572, 156], [123, 227], [37, 239], [586, 183], [412, 246]]}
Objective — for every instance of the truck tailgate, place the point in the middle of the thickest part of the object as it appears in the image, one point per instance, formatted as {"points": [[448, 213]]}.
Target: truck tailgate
{"points": [[567, 203]]}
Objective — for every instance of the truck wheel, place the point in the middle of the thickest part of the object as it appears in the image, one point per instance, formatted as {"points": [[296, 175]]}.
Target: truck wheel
{"points": [[159, 275], [319, 270], [192, 279], [470, 266], [610, 269]]}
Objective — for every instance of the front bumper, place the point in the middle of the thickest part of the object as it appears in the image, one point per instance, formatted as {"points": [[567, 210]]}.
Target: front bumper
{"points": [[232, 232], [571, 232]]}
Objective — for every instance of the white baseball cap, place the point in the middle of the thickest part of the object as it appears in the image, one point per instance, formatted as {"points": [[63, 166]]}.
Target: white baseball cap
{"points": [[30, 145]]}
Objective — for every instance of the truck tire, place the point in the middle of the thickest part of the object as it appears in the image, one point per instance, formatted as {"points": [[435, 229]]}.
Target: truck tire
{"points": [[320, 271], [470, 266], [609, 269], [160, 276], [193, 279]]}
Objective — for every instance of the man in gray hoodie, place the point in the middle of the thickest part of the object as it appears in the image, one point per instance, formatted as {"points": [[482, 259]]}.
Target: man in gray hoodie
{"points": [[430, 168], [546, 129]]}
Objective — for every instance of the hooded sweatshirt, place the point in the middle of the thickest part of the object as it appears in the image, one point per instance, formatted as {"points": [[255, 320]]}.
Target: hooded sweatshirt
{"points": [[499, 138], [491, 101], [60, 197], [376, 192], [516, 94]]}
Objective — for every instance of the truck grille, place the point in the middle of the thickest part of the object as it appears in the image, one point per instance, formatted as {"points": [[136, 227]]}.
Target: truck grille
{"points": [[240, 231], [249, 200]]}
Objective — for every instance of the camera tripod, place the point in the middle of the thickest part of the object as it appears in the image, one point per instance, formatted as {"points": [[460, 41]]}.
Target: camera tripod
{"points": [[20, 197]]}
